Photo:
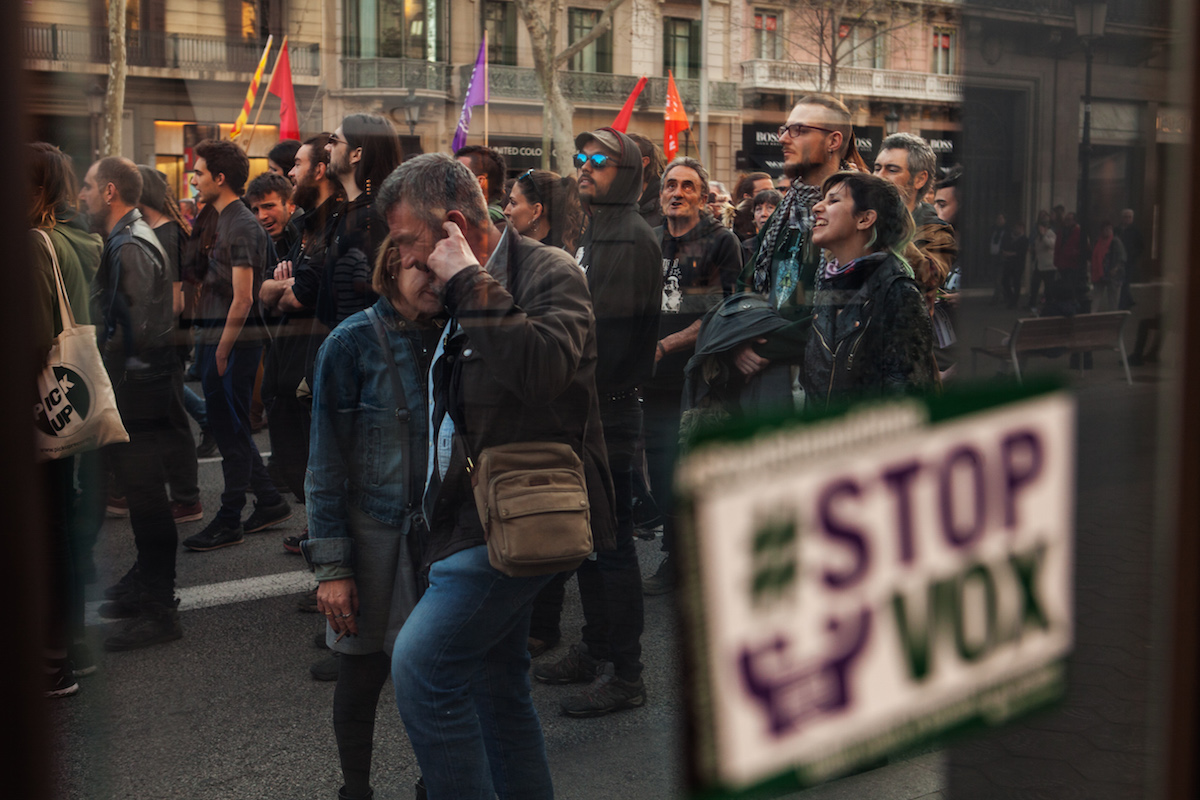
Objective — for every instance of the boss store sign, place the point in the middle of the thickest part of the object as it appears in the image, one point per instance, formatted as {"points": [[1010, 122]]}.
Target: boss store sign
{"points": [[761, 151]]}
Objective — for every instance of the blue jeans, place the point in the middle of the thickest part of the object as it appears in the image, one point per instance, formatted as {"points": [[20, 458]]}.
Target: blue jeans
{"points": [[196, 407], [461, 672], [227, 398]]}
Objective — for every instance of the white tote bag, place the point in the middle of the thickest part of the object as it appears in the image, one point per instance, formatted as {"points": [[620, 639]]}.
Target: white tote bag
{"points": [[76, 410]]}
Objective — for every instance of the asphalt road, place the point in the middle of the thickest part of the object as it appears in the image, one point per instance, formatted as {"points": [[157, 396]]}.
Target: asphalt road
{"points": [[230, 711]]}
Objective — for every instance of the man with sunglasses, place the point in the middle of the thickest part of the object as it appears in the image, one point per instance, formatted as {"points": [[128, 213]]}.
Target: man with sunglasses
{"points": [[817, 141], [623, 262]]}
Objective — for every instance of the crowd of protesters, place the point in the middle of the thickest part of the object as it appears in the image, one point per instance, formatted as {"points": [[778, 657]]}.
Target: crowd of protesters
{"points": [[396, 317]]}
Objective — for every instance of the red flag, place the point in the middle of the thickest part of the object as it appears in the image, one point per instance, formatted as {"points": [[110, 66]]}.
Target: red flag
{"points": [[675, 119], [622, 120], [281, 87]]}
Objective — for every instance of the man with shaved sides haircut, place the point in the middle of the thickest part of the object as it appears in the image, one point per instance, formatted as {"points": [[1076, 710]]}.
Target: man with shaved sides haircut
{"points": [[817, 141]]}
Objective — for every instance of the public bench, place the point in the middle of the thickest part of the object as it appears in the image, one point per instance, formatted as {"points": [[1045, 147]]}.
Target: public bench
{"points": [[1052, 336]]}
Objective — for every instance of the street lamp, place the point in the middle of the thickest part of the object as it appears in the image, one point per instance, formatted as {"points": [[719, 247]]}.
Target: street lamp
{"points": [[1090, 16], [891, 121], [412, 112], [94, 95]]}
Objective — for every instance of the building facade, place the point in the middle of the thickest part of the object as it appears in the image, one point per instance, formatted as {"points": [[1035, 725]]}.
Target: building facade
{"points": [[1024, 113], [895, 64]]}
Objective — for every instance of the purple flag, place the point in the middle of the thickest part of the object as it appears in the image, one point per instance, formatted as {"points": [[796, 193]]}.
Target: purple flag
{"points": [[477, 95]]}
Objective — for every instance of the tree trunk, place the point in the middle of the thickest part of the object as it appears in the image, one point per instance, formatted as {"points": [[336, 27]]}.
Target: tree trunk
{"points": [[114, 101], [541, 20]]}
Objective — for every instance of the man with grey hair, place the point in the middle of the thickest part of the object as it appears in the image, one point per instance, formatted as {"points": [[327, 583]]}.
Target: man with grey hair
{"points": [[908, 161], [516, 362], [701, 260]]}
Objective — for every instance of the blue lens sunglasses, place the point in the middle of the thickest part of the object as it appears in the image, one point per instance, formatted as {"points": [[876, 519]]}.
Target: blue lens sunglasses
{"points": [[599, 160]]}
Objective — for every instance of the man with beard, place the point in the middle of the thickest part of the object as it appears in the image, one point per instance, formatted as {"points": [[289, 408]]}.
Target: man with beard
{"points": [[624, 274], [298, 335], [229, 345], [701, 260], [136, 309], [817, 141], [362, 153]]}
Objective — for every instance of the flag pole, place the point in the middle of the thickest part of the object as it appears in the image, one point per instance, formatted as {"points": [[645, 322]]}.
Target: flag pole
{"points": [[263, 102], [487, 90]]}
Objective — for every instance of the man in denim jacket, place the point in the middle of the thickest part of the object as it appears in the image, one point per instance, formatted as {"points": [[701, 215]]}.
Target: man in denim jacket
{"points": [[516, 363]]}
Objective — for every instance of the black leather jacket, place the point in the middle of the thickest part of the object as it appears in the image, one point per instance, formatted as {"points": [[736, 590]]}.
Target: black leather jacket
{"points": [[871, 334], [135, 303]]}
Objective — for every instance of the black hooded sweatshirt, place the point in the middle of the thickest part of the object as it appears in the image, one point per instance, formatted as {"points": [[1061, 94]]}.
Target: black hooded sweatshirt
{"points": [[623, 262]]}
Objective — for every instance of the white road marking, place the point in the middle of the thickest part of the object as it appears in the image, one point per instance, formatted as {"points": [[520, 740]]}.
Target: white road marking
{"points": [[220, 594]]}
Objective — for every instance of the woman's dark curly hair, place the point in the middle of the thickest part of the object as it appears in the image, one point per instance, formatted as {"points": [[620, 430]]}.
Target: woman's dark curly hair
{"points": [[559, 197], [894, 227]]}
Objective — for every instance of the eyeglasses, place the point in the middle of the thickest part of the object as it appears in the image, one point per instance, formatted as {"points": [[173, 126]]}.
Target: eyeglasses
{"points": [[797, 130], [599, 160], [335, 140]]}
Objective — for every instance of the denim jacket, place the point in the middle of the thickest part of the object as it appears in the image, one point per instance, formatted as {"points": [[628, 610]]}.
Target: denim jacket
{"points": [[356, 451]]}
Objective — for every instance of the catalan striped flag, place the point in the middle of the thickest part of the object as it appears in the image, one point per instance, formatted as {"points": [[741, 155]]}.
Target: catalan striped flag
{"points": [[251, 92]]}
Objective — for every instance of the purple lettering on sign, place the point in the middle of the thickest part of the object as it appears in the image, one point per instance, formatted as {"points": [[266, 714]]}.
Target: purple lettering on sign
{"points": [[852, 537], [792, 694], [968, 456], [899, 479], [1021, 455]]}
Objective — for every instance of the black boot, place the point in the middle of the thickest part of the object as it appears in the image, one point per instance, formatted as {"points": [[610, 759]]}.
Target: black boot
{"points": [[343, 796], [156, 622]]}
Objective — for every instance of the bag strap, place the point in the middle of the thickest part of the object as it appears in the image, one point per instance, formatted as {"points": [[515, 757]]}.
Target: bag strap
{"points": [[402, 412], [64, 302]]}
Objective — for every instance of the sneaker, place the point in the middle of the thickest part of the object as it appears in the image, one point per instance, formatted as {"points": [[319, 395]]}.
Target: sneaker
{"points": [[326, 669], [575, 667], [538, 646], [308, 603], [187, 512], [214, 536], [663, 579], [117, 507], [127, 584], [292, 543], [82, 662], [158, 623], [207, 447], [607, 693], [264, 517], [60, 678]]}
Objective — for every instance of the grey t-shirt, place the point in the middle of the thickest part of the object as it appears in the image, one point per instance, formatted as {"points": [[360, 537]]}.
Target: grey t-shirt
{"points": [[240, 242]]}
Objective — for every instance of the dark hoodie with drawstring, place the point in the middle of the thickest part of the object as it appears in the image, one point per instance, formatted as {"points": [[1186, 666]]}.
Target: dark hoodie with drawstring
{"points": [[621, 256]]}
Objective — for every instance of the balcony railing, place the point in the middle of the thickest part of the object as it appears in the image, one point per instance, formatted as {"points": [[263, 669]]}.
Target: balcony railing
{"points": [[598, 88], [76, 44], [395, 73], [763, 75]]}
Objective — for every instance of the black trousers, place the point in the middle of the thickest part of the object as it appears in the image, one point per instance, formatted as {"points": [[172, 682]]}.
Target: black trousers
{"points": [[610, 586], [154, 415], [290, 417]]}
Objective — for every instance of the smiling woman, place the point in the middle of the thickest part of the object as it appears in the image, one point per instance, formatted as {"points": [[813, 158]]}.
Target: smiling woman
{"points": [[871, 331]]}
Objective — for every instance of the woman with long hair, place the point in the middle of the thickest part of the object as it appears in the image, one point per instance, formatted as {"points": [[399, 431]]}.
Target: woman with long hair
{"points": [[77, 250], [543, 205], [871, 332]]}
